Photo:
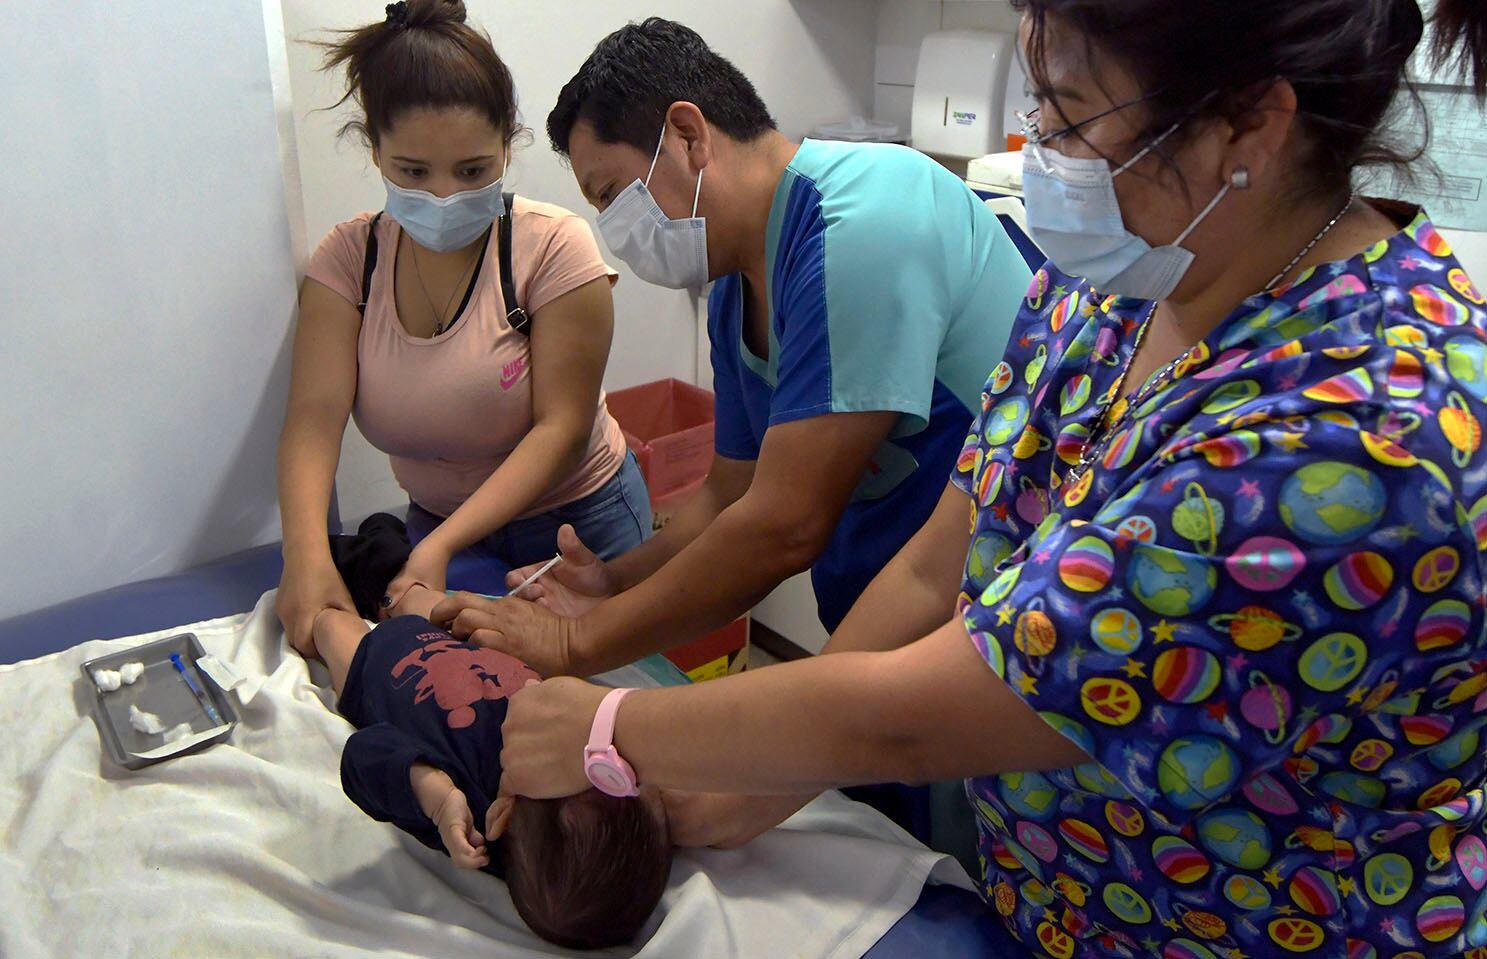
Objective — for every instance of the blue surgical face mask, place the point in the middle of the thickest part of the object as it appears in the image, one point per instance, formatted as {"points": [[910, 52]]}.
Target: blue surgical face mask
{"points": [[663, 251], [1074, 217], [444, 223]]}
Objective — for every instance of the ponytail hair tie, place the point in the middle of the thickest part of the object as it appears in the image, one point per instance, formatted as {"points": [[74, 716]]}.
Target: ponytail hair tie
{"points": [[397, 15]]}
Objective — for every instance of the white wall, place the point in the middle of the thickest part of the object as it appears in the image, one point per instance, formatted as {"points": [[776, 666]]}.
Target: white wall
{"points": [[147, 286], [811, 60], [1470, 249]]}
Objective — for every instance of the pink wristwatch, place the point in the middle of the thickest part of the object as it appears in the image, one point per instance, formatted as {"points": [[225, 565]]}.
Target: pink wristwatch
{"points": [[602, 763]]}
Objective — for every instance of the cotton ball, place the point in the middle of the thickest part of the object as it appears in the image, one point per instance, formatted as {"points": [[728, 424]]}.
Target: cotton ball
{"points": [[108, 680], [178, 732], [131, 672], [147, 723]]}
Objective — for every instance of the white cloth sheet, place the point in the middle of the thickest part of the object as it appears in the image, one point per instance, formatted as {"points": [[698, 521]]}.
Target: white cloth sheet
{"points": [[251, 849]]}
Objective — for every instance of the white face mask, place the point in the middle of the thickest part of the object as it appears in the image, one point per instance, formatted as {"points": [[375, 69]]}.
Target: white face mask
{"points": [[663, 251], [445, 223], [1074, 217]]}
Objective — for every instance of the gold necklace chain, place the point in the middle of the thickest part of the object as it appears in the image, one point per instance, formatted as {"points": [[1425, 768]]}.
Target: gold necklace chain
{"points": [[1103, 432], [1095, 443], [458, 285]]}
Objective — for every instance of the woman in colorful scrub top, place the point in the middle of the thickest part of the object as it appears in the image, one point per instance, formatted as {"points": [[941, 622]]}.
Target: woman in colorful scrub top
{"points": [[1229, 507], [1259, 611]]}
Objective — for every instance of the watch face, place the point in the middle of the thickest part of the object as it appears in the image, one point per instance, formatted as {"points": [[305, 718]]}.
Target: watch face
{"points": [[609, 779]]}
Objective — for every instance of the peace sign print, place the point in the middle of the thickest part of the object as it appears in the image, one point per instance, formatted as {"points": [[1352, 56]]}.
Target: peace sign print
{"points": [[1387, 878], [1113, 702], [1295, 935], [1262, 612], [1332, 662]]}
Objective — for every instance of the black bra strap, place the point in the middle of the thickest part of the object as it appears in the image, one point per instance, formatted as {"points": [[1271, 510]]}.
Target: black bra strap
{"points": [[368, 265], [515, 315]]}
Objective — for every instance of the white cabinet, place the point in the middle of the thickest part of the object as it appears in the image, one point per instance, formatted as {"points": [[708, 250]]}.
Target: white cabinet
{"points": [[791, 611]]}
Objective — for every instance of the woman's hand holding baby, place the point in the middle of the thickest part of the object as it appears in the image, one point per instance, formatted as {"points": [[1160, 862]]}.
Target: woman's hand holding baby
{"points": [[546, 728], [307, 589], [427, 566]]}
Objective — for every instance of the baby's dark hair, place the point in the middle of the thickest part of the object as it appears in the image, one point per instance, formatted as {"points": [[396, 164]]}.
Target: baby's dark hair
{"points": [[586, 872]]}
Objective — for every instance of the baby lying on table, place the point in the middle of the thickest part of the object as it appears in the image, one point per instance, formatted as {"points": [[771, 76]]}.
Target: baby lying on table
{"points": [[584, 872]]}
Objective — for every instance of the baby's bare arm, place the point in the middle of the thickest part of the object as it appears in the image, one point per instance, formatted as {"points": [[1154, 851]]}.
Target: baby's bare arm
{"points": [[432, 786], [443, 803]]}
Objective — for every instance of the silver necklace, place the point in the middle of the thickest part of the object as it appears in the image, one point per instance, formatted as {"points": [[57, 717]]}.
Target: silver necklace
{"points": [[1275, 280], [1097, 441]]}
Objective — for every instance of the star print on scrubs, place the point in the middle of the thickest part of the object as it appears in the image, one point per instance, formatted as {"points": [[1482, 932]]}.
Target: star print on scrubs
{"points": [[1261, 613]]}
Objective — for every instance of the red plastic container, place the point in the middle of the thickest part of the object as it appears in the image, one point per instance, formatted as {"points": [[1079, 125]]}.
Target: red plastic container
{"points": [[669, 426], [720, 653]]}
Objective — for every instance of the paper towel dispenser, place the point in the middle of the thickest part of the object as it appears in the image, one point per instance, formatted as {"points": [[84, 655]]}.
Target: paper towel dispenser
{"points": [[967, 89]]}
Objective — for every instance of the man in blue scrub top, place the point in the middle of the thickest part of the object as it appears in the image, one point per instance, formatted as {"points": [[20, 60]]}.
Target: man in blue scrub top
{"points": [[862, 296]]}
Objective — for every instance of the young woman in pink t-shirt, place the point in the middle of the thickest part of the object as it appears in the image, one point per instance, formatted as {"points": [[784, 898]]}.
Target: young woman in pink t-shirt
{"points": [[494, 420]]}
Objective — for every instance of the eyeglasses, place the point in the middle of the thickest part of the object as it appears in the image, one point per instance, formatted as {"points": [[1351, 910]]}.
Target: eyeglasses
{"points": [[1030, 120]]}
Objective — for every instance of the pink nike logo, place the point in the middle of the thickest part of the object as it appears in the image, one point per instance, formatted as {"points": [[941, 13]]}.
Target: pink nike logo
{"points": [[512, 372]]}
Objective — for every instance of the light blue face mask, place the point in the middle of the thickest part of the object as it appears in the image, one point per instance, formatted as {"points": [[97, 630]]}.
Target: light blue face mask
{"points": [[663, 251], [1074, 217], [444, 223]]}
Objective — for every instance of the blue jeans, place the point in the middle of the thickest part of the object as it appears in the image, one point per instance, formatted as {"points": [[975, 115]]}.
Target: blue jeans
{"points": [[612, 520]]}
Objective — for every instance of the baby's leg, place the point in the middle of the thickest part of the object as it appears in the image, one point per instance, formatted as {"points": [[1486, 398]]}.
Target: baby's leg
{"points": [[337, 634]]}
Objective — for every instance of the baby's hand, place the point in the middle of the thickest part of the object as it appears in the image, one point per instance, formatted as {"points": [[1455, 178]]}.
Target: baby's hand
{"points": [[464, 842]]}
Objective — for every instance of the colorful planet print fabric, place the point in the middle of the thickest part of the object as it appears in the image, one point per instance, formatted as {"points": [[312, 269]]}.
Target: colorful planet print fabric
{"points": [[1261, 612]]}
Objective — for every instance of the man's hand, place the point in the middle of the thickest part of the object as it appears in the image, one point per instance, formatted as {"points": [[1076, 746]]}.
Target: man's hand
{"points": [[573, 587], [548, 643]]}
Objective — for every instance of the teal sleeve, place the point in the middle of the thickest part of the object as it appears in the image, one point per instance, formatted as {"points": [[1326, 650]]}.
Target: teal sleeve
{"points": [[869, 297], [902, 280]]}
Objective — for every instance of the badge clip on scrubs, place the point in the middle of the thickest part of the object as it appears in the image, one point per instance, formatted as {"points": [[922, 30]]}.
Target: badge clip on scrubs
{"points": [[602, 763]]}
